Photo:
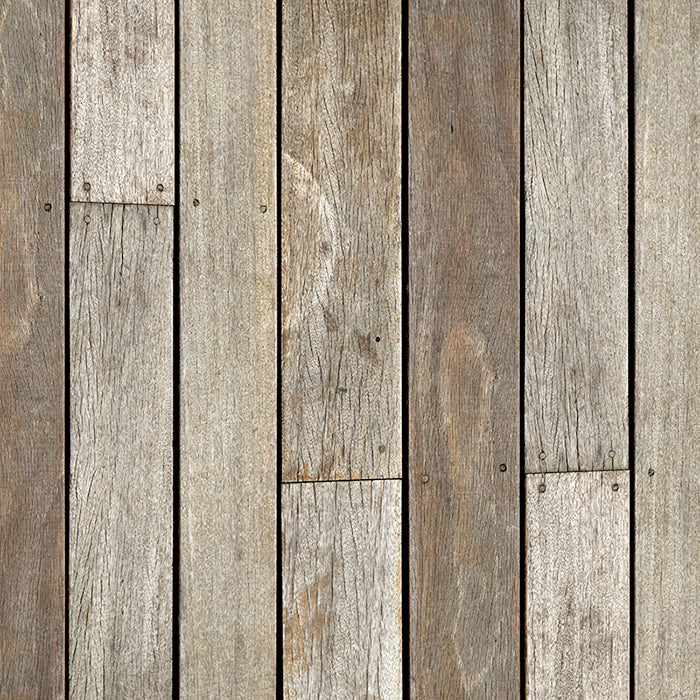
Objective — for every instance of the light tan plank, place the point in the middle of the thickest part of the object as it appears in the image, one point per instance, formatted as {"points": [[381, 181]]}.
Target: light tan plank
{"points": [[341, 583], [577, 583], [667, 566], [576, 384], [341, 239], [32, 443], [121, 487], [122, 95], [228, 353]]}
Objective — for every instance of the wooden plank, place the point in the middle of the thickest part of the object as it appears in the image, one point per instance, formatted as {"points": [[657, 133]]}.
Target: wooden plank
{"points": [[341, 572], [31, 350], [228, 354], [576, 192], [341, 239], [667, 565], [122, 101], [121, 486], [578, 594], [464, 349]]}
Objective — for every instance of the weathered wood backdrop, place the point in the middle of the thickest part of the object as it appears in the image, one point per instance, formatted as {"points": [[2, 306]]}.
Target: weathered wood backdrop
{"points": [[349, 349]]}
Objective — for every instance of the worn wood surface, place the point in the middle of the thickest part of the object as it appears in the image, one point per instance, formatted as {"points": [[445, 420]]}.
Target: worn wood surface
{"points": [[341, 239], [122, 95], [121, 485], [576, 385], [228, 353], [341, 572], [577, 585], [464, 366], [667, 571], [31, 350]]}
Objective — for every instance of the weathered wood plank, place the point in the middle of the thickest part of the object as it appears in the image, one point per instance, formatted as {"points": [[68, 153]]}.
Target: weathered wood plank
{"points": [[341, 239], [576, 385], [228, 354], [31, 349], [464, 360], [667, 566], [577, 569], [122, 101], [341, 573], [121, 485]]}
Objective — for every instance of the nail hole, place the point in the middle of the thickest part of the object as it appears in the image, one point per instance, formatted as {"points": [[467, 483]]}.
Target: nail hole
{"points": [[425, 478], [503, 467], [195, 202], [541, 488], [160, 187], [616, 487], [651, 472], [47, 206], [542, 455], [86, 186], [263, 208], [87, 219]]}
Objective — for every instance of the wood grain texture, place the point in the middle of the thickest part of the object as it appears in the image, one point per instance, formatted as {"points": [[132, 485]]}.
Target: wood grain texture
{"points": [[341, 579], [464, 368], [122, 93], [228, 471], [121, 478], [667, 566], [341, 239], [577, 584], [576, 192], [31, 350]]}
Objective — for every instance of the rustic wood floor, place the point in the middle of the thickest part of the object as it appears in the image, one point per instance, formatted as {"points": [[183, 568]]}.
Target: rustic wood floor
{"points": [[349, 349]]}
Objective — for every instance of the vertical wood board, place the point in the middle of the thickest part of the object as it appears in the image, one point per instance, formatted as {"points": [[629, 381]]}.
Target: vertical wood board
{"points": [[32, 541], [667, 566], [121, 486], [341, 578], [464, 350], [577, 585], [228, 353], [341, 239], [576, 192]]}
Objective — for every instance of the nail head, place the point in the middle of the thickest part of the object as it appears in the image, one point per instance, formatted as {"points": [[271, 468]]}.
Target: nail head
{"points": [[47, 206], [86, 186], [611, 453], [425, 478], [156, 221], [196, 202], [503, 467], [542, 455], [263, 208], [651, 472], [160, 187], [541, 488], [616, 487], [87, 219]]}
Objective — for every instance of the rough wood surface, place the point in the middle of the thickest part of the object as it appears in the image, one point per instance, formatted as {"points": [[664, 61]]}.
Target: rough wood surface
{"points": [[576, 386], [228, 355], [341, 239], [31, 350], [122, 93], [667, 570], [577, 583], [121, 485], [464, 367], [341, 572]]}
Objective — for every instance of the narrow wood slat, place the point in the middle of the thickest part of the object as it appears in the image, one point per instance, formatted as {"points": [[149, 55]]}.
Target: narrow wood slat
{"points": [[341, 239], [31, 350], [464, 360], [576, 192], [122, 95], [667, 566], [121, 486], [577, 583], [228, 353], [341, 571]]}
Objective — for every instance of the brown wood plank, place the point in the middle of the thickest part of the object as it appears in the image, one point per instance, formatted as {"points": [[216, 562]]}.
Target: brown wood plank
{"points": [[576, 192], [667, 566], [577, 583], [31, 350], [464, 362], [228, 471], [121, 486], [122, 94], [341, 239], [341, 572]]}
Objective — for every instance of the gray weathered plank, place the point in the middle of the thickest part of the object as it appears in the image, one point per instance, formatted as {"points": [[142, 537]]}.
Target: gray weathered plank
{"points": [[122, 101], [341, 239], [121, 478], [577, 583], [576, 385], [31, 349], [667, 566], [228, 352], [464, 185], [341, 572]]}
